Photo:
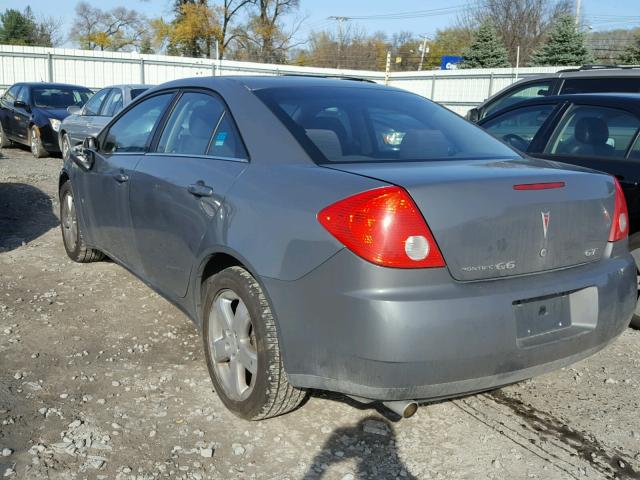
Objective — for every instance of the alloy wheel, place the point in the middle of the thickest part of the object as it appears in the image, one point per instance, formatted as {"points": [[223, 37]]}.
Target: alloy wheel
{"points": [[66, 147], [35, 142], [233, 345], [69, 222]]}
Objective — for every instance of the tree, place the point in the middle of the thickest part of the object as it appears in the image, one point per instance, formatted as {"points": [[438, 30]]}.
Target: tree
{"points": [[631, 54], [115, 29], [22, 28], [230, 9], [486, 50], [519, 23], [565, 45], [450, 41], [264, 37]]}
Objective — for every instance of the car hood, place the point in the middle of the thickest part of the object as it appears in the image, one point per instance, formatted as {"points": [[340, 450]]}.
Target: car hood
{"points": [[59, 113]]}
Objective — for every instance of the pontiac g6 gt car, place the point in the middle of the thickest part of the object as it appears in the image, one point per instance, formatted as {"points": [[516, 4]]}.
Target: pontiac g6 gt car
{"points": [[341, 235]]}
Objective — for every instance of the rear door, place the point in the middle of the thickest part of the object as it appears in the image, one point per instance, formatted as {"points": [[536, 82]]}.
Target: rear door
{"points": [[104, 189], [6, 109], [177, 191], [21, 117], [600, 138]]}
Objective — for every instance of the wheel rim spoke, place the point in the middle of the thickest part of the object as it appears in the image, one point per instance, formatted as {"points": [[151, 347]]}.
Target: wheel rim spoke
{"points": [[241, 320], [224, 311], [248, 357]]}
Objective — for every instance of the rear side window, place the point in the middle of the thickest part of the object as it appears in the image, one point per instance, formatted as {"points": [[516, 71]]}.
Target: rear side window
{"points": [[113, 104], [364, 124], [132, 131], [592, 131], [518, 94], [601, 85], [634, 154], [200, 125], [519, 127], [92, 107]]}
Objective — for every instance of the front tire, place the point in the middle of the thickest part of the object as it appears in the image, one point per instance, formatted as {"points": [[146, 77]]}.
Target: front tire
{"points": [[72, 238], [65, 147], [241, 348], [35, 142]]}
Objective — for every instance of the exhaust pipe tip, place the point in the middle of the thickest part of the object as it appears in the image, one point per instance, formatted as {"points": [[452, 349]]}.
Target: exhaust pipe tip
{"points": [[404, 408]]}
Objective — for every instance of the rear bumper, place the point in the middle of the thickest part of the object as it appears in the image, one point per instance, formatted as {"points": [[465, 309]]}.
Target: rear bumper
{"points": [[388, 334]]}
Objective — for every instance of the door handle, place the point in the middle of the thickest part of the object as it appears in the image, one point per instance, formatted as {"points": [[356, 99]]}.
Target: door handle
{"points": [[199, 189], [121, 177]]}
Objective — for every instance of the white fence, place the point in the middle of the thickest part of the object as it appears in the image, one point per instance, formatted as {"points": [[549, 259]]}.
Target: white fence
{"points": [[458, 90]]}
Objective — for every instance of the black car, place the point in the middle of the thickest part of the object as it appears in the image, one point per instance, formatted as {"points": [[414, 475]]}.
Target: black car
{"points": [[31, 114], [586, 79], [598, 131]]}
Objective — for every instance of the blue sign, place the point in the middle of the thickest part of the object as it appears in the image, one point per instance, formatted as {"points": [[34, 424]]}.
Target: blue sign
{"points": [[450, 62]]}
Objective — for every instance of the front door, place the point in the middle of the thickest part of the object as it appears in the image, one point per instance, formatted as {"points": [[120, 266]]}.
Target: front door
{"points": [[105, 188], [21, 117], [178, 190]]}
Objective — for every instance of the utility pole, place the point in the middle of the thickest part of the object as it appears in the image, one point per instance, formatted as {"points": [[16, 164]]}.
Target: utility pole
{"points": [[425, 49], [340, 21], [387, 68], [578, 7]]}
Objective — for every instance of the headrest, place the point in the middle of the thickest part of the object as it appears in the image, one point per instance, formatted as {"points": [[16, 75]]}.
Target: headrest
{"points": [[327, 142], [592, 131], [421, 144]]}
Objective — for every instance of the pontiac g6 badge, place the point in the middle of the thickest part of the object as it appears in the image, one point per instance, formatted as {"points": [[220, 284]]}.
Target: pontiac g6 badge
{"points": [[545, 223]]}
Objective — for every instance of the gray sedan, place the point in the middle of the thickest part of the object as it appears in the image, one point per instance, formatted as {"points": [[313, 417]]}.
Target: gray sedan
{"points": [[345, 236], [95, 114]]}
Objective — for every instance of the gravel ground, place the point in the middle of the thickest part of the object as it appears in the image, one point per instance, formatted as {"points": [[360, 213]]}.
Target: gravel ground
{"points": [[101, 378]]}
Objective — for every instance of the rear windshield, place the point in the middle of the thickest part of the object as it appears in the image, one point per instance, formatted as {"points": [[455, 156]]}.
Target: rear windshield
{"points": [[59, 97], [343, 124]]}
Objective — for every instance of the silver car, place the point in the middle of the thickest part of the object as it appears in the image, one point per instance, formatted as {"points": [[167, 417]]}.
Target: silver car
{"points": [[95, 114]]}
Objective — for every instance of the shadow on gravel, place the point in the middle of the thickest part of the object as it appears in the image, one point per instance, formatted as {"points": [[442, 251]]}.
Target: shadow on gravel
{"points": [[26, 213], [371, 443]]}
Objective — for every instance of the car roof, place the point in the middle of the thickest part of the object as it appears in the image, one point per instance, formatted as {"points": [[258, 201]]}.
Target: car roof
{"points": [[259, 82], [624, 100], [48, 84], [129, 85]]}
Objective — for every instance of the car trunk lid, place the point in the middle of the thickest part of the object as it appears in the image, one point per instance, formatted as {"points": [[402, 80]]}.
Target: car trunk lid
{"points": [[487, 228]]}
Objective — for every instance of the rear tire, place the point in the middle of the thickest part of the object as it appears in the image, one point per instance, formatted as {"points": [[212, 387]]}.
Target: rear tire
{"points": [[35, 142], [238, 324], [4, 141], [72, 238], [634, 248]]}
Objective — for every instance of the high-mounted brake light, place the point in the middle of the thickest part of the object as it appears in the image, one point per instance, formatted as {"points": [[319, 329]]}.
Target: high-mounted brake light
{"points": [[538, 186], [620, 219], [385, 227]]}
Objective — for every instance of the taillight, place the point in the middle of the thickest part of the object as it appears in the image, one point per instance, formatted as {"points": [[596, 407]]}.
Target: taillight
{"points": [[620, 220], [385, 227]]}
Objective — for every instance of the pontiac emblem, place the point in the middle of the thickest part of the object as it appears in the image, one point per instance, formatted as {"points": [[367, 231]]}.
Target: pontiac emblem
{"points": [[545, 223]]}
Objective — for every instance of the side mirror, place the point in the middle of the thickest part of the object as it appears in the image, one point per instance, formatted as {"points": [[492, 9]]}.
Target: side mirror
{"points": [[473, 115], [74, 109], [21, 104], [84, 155]]}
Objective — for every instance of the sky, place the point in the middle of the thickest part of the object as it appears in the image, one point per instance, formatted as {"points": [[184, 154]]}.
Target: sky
{"points": [[421, 17]]}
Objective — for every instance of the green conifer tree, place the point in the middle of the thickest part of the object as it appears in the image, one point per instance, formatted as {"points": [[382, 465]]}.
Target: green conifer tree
{"points": [[486, 50], [564, 46]]}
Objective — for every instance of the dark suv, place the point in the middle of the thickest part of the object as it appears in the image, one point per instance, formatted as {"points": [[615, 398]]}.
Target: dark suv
{"points": [[586, 79], [598, 131]]}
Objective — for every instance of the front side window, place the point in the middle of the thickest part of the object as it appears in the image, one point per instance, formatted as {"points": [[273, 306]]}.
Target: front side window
{"points": [[524, 92], [519, 127], [113, 104], [592, 131], [23, 95], [132, 131], [92, 107], [200, 125], [59, 97], [368, 124]]}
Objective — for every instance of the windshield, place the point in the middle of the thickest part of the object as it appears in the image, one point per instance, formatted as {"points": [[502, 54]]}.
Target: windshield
{"points": [[59, 97], [343, 124]]}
